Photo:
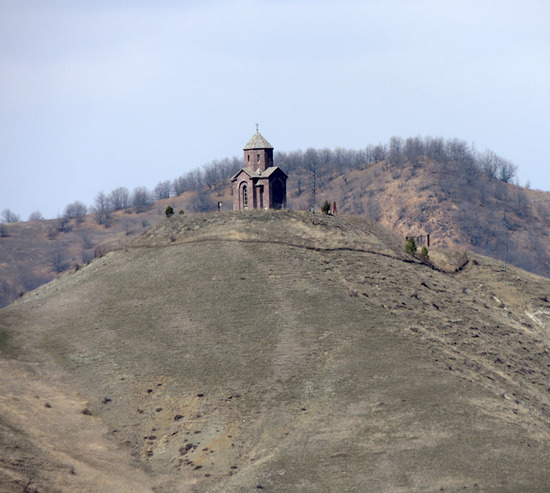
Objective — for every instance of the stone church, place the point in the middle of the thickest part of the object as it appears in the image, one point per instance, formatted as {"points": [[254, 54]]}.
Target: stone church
{"points": [[259, 184]]}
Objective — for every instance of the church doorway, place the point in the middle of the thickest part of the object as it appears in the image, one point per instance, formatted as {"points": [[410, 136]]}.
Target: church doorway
{"points": [[278, 194]]}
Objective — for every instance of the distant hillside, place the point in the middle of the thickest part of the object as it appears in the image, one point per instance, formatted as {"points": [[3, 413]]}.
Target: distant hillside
{"points": [[463, 199], [277, 351], [35, 252], [475, 213]]}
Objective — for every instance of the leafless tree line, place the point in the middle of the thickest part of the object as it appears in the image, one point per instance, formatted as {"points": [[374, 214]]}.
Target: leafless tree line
{"points": [[209, 176], [451, 155], [445, 152]]}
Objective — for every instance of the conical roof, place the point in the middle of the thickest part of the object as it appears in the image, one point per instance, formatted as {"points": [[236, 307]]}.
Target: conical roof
{"points": [[257, 142]]}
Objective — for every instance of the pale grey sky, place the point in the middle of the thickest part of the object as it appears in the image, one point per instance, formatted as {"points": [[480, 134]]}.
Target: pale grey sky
{"points": [[101, 94]]}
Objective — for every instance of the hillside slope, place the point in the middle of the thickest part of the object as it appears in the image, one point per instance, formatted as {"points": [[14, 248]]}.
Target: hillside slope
{"points": [[34, 252], [458, 206], [276, 351]]}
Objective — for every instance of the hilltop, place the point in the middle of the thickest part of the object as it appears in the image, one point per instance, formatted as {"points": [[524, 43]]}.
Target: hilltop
{"points": [[426, 186], [277, 351]]}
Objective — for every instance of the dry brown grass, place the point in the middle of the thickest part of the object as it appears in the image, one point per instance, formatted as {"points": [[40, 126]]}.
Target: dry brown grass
{"points": [[464, 216], [26, 253], [277, 350]]}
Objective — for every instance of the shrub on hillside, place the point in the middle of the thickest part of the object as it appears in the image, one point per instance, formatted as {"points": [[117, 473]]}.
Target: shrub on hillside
{"points": [[424, 254], [169, 211], [410, 246]]}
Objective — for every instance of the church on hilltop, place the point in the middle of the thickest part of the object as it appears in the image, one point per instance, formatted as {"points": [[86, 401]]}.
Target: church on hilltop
{"points": [[259, 184]]}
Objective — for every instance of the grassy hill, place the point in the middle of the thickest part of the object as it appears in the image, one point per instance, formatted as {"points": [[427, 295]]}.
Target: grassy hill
{"points": [[459, 206], [277, 351], [35, 252]]}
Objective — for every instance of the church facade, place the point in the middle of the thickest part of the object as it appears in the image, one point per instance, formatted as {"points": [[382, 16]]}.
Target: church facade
{"points": [[259, 184]]}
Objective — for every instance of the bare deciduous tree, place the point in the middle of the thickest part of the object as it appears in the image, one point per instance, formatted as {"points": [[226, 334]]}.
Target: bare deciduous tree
{"points": [[102, 210], [457, 150], [396, 145], [141, 199], [196, 179], [62, 223], [58, 258], [179, 185], [435, 148], [310, 159], [8, 216], [507, 171], [120, 199], [495, 166], [211, 174], [162, 190], [380, 152], [201, 202], [77, 210], [36, 216], [488, 163], [414, 149]]}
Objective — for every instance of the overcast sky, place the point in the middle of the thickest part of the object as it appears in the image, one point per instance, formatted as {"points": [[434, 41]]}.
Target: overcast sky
{"points": [[100, 94]]}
